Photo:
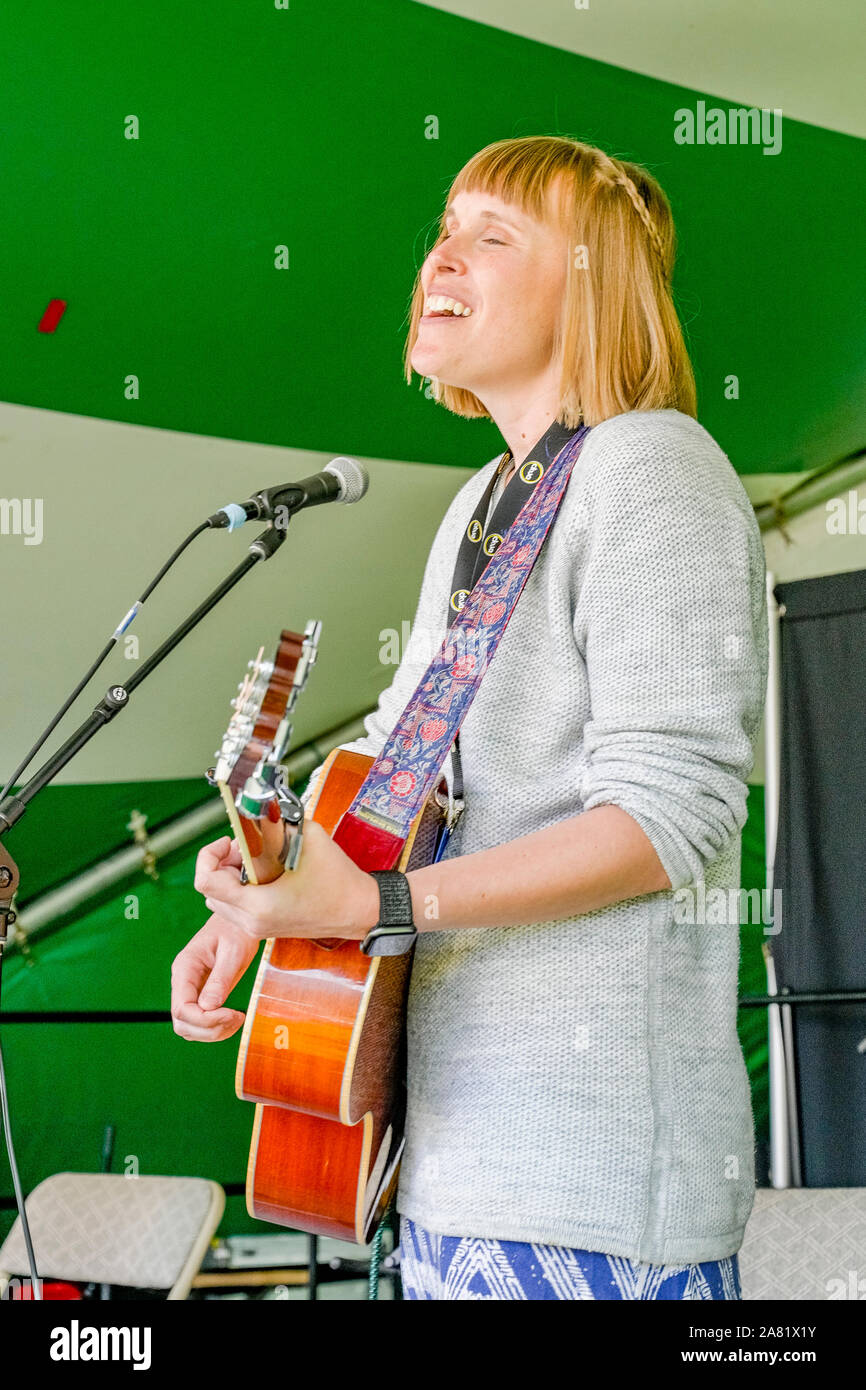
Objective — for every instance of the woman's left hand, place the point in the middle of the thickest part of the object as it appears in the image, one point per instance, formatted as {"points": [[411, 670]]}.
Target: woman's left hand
{"points": [[326, 895]]}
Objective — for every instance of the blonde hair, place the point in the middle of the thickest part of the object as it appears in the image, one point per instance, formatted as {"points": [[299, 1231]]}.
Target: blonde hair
{"points": [[619, 340]]}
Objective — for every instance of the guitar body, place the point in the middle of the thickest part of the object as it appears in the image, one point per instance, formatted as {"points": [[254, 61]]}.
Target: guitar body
{"points": [[323, 1055], [322, 1052]]}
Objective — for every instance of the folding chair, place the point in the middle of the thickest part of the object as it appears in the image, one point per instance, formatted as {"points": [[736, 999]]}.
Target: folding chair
{"points": [[805, 1243], [104, 1228]]}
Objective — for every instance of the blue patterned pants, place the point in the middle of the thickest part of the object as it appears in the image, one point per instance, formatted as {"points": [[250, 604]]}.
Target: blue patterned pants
{"points": [[466, 1267]]}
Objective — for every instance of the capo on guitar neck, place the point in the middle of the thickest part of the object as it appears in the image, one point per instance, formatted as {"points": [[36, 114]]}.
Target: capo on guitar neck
{"points": [[267, 795]]}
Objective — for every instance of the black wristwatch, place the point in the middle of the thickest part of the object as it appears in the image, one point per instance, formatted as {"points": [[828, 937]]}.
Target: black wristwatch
{"points": [[395, 932]]}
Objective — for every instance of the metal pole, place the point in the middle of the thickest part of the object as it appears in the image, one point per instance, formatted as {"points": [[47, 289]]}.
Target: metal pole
{"points": [[781, 1118], [820, 486]]}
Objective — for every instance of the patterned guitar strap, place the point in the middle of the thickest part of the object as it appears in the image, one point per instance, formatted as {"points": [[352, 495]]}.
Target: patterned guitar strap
{"points": [[481, 541], [487, 584]]}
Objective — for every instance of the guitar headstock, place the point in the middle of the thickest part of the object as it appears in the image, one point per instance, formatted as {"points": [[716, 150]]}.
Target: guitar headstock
{"points": [[248, 770]]}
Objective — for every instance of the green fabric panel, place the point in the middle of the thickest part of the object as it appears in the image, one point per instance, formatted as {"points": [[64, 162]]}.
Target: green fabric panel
{"points": [[173, 1102], [338, 163], [87, 823]]}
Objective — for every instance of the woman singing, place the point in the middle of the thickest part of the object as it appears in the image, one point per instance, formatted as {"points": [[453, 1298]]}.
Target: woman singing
{"points": [[578, 1120]]}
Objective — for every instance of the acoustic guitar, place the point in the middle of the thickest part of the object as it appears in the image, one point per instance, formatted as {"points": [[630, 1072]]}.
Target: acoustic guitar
{"points": [[322, 1052]]}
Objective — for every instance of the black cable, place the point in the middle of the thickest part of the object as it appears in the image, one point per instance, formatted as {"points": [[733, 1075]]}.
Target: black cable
{"points": [[56, 720], [118, 632]]}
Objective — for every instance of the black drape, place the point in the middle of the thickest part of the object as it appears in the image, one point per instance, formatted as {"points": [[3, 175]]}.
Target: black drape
{"points": [[821, 864]]}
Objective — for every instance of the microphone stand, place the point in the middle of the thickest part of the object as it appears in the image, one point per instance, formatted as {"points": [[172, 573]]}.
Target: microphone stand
{"points": [[13, 807], [115, 699]]}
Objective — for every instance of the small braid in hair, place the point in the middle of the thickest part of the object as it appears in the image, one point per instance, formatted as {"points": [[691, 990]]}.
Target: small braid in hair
{"points": [[619, 176]]}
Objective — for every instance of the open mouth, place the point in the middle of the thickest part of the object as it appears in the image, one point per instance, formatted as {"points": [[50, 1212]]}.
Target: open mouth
{"points": [[442, 318]]}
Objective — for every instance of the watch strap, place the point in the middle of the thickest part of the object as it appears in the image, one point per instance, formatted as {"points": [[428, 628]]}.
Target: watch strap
{"points": [[395, 932]]}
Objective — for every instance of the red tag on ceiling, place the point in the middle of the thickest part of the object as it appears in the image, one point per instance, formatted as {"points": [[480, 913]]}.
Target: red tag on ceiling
{"points": [[52, 316]]}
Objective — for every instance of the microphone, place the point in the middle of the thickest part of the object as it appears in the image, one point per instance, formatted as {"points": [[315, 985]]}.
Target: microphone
{"points": [[342, 480]]}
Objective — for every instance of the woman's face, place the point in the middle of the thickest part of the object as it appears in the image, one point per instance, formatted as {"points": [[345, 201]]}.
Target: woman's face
{"points": [[510, 270]]}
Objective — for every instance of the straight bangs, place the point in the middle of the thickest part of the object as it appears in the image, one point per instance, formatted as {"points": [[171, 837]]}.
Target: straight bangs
{"points": [[619, 341]]}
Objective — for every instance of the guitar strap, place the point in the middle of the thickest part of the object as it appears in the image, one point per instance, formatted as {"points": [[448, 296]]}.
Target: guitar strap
{"points": [[374, 829], [483, 535]]}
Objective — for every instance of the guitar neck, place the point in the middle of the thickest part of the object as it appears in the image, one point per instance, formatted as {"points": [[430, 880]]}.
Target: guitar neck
{"points": [[248, 770]]}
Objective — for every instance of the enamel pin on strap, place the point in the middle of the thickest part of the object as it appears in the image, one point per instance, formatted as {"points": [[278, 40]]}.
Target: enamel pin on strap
{"points": [[483, 535]]}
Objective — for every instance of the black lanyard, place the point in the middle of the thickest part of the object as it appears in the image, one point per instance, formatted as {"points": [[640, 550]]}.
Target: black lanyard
{"points": [[481, 541]]}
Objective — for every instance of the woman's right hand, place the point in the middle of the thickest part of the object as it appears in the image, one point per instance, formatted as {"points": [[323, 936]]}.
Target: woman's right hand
{"points": [[203, 975]]}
